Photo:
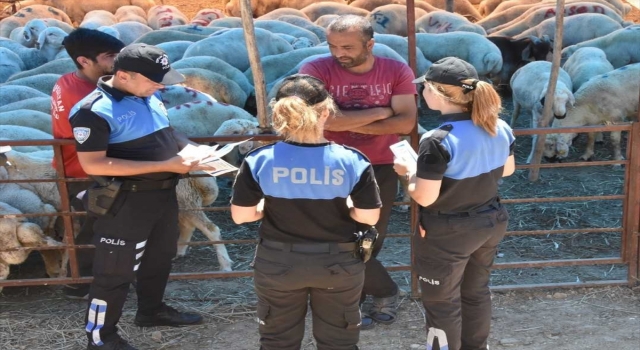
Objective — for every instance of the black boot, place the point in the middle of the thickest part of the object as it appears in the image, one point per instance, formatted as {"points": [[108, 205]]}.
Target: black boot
{"points": [[167, 316]]}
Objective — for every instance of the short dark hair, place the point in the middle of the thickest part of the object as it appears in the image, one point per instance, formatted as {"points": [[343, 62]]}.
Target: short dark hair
{"points": [[90, 43], [346, 23]]}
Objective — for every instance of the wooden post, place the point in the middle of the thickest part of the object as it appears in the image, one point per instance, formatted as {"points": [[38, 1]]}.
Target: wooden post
{"points": [[256, 67], [449, 6], [548, 101]]}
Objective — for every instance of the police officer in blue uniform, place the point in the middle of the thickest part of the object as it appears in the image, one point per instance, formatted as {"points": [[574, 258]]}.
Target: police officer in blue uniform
{"points": [[300, 190], [125, 143], [455, 182]]}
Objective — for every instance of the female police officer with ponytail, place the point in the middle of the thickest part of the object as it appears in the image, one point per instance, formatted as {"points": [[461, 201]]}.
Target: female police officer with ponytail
{"points": [[307, 240], [455, 182]]}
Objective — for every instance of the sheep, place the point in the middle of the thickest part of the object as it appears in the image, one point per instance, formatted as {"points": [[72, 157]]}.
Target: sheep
{"points": [[471, 47], [216, 85], [156, 37], [40, 104], [218, 66], [22, 16], [593, 107], [401, 46], [11, 93], [109, 30], [283, 11], [304, 23], [131, 13], [518, 52], [98, 18], [30, 57], [444, 22], [371, 5], [202, 119], [528, 20], [227, 22], [276, 66], [462, 7], [576, 29], [11, 64], [586, 63], [194, 29], [41, 82], [230, 46], [16, 232], [18, 36], [160, 16], [287, 28], [529, 87], [392, 19], [15, 132], [261, 8], [205, 16], [34, 27], [488, 6], [174, 95], [23, 166], [58, 66], [621, 46], [317, 9], [27, 117], [28, 203], [50, 42], [324, 20], [175, 49]]}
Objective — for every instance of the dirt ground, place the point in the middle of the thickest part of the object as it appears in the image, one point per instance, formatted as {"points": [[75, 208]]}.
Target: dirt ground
{"points": [[577, 319]]}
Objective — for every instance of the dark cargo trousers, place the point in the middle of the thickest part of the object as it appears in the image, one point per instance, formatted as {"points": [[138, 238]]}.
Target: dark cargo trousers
{"points": [[285, 281], [377, 281], [454, 263], [139, 242]]}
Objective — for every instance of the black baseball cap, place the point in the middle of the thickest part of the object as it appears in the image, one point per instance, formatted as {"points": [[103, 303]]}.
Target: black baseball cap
{"points": [[450, 71], [150, 61], [309, 88]]}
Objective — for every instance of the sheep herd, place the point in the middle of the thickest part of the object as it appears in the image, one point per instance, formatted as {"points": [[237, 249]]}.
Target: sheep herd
{"points": [[508, 42]]}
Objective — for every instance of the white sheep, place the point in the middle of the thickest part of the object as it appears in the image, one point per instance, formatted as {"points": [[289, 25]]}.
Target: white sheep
{"points": [[221, 88], [203, 119], [15, 93], [25, 14], [130, 13], [305, 23], [40, 82], [621, 46], [98, 18], [28, 118], [576, 29], [11, 64], [156, 37], [160, 16], [40, 104], [287, 28], [607, 98], [528, 20], [586, 63], [15, 132], [34, 165], [230, 46], [318, 9], [283, 11], [175, 49], [30, 57], [174, 95], [16, 232], [131, 31], [443, 22], [471, 47], [50, 42], [462, 7], [488, 6], [324, 20], [205, 16], [392, 19], [218, 66], [57, 66], [529, 87]]}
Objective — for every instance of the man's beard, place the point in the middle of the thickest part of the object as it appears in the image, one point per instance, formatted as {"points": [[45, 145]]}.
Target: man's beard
{"points": [[353, 62]]}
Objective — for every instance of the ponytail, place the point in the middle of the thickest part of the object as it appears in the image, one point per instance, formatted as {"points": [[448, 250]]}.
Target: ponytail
{"points": [[295, 119]]}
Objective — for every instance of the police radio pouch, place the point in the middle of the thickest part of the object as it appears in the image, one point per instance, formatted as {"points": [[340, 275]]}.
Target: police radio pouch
{"points": [[101, 198]]}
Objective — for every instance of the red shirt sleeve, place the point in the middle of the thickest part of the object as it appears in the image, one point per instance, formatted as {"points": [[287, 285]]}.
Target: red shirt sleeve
{"points": [[403, 83]]}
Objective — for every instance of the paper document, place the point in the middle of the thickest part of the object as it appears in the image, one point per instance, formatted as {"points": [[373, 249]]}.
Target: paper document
{"points": [[5, 149], [210, 157], [403, 150]]}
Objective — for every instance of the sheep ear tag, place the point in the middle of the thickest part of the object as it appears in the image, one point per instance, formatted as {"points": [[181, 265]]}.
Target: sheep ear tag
{"points": [[81, 134]]}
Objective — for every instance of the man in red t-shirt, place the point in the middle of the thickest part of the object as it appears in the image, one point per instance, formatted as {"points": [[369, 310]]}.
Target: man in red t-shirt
{"points": [[93, 52], [376, 98]]}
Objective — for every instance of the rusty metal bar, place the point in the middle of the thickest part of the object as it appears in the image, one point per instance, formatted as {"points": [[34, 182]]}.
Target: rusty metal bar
{"points": [[561, 199], [562, 285], [69, 236], [630, 235], [557, 263], [574, 164], [577, 129]]}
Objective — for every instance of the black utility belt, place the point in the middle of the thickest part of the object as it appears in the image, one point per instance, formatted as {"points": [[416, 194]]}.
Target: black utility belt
{"points": [[331, 248], [146, 185], [463, 214]]}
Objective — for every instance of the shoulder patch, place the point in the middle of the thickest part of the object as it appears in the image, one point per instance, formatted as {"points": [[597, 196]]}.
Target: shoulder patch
{"points": [[81, 134]]}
